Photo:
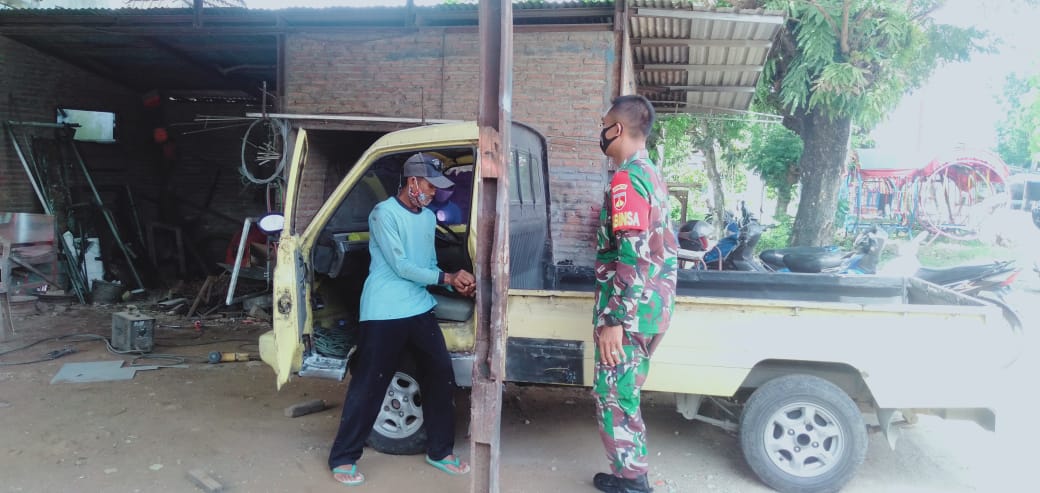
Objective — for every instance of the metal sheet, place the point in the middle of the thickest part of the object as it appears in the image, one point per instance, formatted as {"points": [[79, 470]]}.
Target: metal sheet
{"points": [[24, 227]]}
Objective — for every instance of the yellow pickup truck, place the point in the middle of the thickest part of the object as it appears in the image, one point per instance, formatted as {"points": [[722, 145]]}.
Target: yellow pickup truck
{"points": [[797, 364]]}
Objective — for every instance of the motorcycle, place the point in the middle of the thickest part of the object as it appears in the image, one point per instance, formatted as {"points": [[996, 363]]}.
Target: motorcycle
{"points": [[994, 277], [863, 259], [734, 251]]}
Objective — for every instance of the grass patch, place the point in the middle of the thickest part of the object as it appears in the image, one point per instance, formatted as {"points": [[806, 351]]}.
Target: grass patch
{"points": [[946, 253]]}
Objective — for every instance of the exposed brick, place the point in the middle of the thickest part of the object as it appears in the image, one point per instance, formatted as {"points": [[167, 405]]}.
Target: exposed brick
{"points": [[561, 86]]}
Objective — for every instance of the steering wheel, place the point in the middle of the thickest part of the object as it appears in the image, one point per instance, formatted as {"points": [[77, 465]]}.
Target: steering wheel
{"points": [[445, 234]]}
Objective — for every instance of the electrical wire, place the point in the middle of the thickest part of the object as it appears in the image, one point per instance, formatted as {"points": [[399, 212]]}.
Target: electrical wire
{"points": [[333, 343], [138, 355]]}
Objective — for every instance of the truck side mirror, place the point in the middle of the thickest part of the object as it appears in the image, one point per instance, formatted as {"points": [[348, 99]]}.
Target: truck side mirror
{"points": [[271, 224]]}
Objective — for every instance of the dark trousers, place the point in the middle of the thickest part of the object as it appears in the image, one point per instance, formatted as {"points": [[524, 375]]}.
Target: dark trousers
{"points": [[381, 344]]}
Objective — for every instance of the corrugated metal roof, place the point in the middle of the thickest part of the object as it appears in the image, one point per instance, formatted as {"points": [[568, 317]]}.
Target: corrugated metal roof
{"points": [[686, 56], [695, 58]]}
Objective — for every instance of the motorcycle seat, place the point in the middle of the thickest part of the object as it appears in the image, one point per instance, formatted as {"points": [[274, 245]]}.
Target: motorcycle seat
{"points": [[958, 273], [775, 257], [812, 262]]}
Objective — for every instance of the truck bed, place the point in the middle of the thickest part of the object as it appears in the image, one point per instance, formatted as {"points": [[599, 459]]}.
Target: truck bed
{"points": [[871, 290], [914, 344]]}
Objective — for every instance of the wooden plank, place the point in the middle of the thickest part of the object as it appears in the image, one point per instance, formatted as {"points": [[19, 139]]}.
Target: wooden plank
{"points": [[492, 256], [305, 408], [203, 480], [202, 293]]}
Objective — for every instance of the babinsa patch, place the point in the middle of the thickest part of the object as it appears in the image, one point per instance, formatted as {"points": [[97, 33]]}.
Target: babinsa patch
{"points": [[630, 210]]}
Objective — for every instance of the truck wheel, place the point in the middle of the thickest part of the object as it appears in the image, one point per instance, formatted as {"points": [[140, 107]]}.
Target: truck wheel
{"points": [[399, 428], [802, 433]]}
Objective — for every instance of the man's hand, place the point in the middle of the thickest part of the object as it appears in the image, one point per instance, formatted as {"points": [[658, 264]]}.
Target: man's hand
{"points": [[610, 350], [463, 282]]}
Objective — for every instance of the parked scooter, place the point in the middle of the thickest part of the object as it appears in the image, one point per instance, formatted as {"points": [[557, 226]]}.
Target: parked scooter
{"points": [[993, 278], [863, 259]]}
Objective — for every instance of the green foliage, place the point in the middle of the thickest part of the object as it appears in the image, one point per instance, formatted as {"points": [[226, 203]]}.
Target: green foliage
{"points": [[676, 138], [773, 154], [1018, 137], [842, 211], [778, 236], [671, 146], [861, 67]]}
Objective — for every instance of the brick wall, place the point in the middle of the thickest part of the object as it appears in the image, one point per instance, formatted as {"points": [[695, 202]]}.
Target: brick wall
{"points": [[203, 174], [562, 84], [32, 87]]}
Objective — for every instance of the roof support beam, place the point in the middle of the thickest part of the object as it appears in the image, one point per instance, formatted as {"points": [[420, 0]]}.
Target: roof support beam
{"points": [[711, 43], [702, 88], [708, 68], [84, 62], [183, 57], [711, 16]]}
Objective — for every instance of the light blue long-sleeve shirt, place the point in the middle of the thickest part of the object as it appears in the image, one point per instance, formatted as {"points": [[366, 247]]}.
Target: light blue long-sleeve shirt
{"points": [[404, 262]]}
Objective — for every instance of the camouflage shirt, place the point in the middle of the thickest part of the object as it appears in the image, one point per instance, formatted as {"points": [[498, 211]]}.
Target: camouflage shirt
{"points": [[636, 248]]}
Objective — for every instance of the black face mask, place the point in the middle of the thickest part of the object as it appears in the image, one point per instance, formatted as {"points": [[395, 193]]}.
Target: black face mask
{"points": [[604, 142]]}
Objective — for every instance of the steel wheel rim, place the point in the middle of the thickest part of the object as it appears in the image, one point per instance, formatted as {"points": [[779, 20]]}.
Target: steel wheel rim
{"points": [[401, 413], [803, 439]]}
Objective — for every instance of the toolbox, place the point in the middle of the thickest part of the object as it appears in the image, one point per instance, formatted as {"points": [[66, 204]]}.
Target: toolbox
{"points": [[133, 332]]}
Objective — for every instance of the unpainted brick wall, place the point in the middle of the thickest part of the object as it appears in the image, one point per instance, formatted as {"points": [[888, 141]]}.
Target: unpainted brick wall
{"points": [[32, 87], [562, 84]]}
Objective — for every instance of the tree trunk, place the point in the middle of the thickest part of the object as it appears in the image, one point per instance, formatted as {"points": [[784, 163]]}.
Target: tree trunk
{"points": [[823, 160], [783, 200], [786, 192], [712, 168]]}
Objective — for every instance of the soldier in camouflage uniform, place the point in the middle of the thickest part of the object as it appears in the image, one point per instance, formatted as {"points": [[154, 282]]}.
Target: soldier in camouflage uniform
{"points": [[635, 290]]}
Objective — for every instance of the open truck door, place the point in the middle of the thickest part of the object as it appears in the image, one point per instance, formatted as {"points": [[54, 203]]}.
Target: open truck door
{"points": [[323, 255], [282, 347]]}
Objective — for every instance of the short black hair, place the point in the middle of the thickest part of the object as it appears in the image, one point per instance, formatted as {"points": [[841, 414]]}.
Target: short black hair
{"points": [[635, 110]]}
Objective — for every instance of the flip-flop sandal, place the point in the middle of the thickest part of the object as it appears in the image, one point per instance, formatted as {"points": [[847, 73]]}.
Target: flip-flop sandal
{"points": [[444, 463], [352, 471]]}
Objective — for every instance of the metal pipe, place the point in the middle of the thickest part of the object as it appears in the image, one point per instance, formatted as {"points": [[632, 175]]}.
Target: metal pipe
{"points": [[25, 164], [108, 216], [238, 261]]}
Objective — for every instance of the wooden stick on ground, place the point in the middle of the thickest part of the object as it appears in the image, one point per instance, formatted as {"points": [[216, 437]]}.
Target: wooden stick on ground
{"points": [[201, 293]]}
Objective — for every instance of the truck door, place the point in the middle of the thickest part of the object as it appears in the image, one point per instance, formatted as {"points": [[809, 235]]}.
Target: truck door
{"points": [[290, 277]]}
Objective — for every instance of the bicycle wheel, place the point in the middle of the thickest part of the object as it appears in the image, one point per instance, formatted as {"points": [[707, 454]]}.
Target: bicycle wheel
{"points": [[263, 150]]}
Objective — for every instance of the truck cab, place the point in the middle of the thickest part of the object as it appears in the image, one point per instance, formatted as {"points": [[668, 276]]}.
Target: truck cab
{"points": [[323, 255]]}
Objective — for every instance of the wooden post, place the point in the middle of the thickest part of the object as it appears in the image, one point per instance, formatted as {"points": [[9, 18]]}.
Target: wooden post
{"points": [[492, 255]]}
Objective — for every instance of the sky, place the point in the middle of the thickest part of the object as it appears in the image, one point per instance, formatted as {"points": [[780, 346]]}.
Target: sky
{"points": [[957, 107]]}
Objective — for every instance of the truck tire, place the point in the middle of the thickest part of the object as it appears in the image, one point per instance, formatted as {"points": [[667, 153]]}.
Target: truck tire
{"points": [[801, 433], [399, 428]]}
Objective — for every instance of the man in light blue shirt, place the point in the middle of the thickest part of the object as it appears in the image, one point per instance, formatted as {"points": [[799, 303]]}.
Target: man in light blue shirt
{"points": [[397, 316]]}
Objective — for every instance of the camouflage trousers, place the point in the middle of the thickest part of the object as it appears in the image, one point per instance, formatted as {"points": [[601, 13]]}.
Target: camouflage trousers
{"points": [[620, 421]]}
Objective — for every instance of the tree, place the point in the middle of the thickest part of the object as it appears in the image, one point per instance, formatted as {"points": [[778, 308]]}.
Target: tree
{"points": [[671, 147], [842, 61], [718, 137], [774, 154], [677, 137], [1018, 135]]}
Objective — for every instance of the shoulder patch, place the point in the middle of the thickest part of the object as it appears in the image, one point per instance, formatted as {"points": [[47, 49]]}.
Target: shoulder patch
{"points": [[629, 210]]}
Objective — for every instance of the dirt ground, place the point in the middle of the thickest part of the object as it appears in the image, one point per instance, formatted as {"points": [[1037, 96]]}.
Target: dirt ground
{"points": [[145, 434]]}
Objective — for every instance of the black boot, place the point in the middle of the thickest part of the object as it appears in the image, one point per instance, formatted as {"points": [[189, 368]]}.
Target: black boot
{"points": [[610, 483]]}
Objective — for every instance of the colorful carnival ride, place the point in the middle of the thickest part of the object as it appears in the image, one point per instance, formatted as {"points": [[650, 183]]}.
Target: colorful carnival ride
{"points": [[950, 195]]}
